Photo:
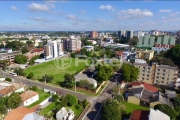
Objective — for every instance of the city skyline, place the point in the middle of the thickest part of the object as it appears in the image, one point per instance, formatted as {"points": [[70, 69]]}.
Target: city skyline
{"points": [[89, 15]]}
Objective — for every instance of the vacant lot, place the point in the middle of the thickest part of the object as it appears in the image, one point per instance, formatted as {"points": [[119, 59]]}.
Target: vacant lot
{"points": [[54, 68]]}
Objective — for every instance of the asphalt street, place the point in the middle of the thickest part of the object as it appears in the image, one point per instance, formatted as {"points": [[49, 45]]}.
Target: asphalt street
{"points": [[29, 82], [95, 111]]}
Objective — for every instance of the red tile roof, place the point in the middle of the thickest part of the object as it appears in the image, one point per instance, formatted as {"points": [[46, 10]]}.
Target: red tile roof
{"points": [[119, 53], [135, 83], [18, 113], [38, 50], [164, 46], [27, 95], [150, 87], [139, 115]]}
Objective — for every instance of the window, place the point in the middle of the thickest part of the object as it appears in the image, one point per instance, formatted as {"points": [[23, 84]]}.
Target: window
{"points": [[163, 78], [31, 99], [26, 101], [147, 75], [142, 78], [167, 78], [157, 77], [162, 81], [158, 69], [164, 70]]}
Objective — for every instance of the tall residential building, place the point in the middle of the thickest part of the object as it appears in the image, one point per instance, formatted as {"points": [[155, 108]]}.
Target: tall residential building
{"points": [[9, 56], [73, 43], [121, 33], [145, 54], [156, 74], [146, 41], [93, 34], [140, 33], [129, 34], [164, 43], [53, 49]]}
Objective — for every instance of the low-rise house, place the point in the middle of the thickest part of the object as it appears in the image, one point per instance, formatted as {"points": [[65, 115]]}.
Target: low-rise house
{"points": [[148, 115], [23, 113], [146, 95], [145, 54], [139, 115], [9, 89], [29, 97], [65, 114], [89, 48], [158, 115]]}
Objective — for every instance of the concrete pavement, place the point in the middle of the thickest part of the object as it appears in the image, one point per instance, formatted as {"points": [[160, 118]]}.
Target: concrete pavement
{"points": [[29, 82]]}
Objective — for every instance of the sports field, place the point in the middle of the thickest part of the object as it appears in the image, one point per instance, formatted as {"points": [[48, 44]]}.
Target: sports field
{"points": [[57, 68]]}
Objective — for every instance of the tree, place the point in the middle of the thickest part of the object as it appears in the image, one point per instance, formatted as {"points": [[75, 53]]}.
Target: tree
{"points": [[130, 73], [30, 75], [162, 61], [68, 80], [14, 100], [85, 84], [104, 72], [34, 88], [119, 98], [32, 60], [85, 103], [3, 109], [20, 59], [55, 97], [173, 53], [176, 102], [111, 110], [47, 78], [24, 50], [71, 100], [167, 110], [19, 71]]}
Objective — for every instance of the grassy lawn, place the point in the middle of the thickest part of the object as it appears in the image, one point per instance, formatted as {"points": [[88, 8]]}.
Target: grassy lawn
{"points": [[42, 97], [129, 107], [77, 112], [50, 68], [48, 108]]}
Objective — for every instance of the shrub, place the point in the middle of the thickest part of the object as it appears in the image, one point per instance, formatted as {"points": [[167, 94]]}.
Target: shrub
{"points": [[9, 79], [30, 75], [34, 88]]}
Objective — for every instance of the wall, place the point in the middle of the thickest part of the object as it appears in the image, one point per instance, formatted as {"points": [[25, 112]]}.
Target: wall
{"points": [[45, 101], [31, 100], [20, 90], [134, 100]]}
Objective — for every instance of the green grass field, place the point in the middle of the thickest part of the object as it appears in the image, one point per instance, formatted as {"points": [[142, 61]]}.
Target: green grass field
{"points": [[48, 108], [129, 107], [50, 68]]}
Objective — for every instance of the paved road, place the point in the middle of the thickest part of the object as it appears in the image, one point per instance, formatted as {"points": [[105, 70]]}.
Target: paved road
{"points": [[95, 110], [28, 82]]}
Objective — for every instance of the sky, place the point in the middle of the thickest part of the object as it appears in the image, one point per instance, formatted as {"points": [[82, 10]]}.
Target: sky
{"points": [[89, 15]]}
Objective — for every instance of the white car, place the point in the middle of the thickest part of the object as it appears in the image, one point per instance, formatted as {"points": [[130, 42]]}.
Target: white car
{"points": [[14, 74]]}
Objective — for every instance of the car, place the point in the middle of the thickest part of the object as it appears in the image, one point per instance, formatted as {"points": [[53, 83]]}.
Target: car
{"points": [[14, 74]]}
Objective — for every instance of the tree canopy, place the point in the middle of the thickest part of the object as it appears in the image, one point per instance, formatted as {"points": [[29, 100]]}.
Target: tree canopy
{"points": [[162, 61], [14, 100], [130, 73], [47, 78], [68, 80], [71, 100], [173, 53], [167, 110], [20, 59], [111, 110], [104, 72]]}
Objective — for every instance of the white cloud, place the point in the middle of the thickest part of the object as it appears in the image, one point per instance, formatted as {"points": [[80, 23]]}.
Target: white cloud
{"points": [[82, 12], [165, 10], [37, 18], [135, 13], [39, 7], [14, 8], [175, 14], [106, 7], [72, 17]]}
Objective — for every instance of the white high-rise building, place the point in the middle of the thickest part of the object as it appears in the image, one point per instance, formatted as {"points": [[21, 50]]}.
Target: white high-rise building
{"points": [[53, 49], [141, 33]]}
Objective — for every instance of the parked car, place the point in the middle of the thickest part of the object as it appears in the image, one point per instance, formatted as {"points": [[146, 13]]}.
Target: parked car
{"points": [[14, 74]]}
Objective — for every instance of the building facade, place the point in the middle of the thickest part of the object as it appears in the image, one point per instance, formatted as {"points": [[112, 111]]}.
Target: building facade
{"points": [[9, 56], [156, 74], [129, 34], [146, 41], [93, 34], [53, 49], [74, 43], [146, 54], [65, 114], [121, 33]]}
